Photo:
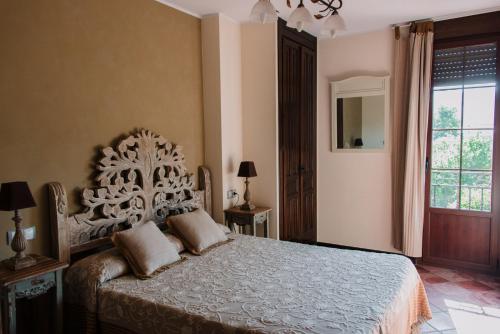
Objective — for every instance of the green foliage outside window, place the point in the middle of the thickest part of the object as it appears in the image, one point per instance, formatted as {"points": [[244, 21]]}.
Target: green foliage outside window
{"points": [[477, 148]]}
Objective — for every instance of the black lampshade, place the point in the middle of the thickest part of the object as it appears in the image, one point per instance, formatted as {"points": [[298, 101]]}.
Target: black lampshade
{"points": [[358, 142], [15, 196], [247, 169]]}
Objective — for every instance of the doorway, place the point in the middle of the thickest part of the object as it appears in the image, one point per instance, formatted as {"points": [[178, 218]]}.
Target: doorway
{"points": [[463, 181]]}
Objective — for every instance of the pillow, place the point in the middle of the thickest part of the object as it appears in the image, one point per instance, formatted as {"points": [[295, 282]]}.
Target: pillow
{"points": [[180, 245], [224, 228], [146, 249], [176, 241], [197, 230]]}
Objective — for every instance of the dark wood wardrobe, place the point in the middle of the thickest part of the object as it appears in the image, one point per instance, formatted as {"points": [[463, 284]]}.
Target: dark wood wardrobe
{"points": [[297, 134]]}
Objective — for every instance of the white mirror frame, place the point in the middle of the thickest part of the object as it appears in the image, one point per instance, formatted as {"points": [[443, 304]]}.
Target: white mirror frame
{"points": [[357, 87]]}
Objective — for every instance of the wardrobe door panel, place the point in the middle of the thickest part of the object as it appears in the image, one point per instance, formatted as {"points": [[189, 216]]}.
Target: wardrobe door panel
{"points": [[297, 133], [291, 138], [308, 145]]}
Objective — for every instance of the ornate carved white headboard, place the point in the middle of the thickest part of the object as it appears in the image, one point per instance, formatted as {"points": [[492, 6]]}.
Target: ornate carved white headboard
{"points": [[144, 178]]}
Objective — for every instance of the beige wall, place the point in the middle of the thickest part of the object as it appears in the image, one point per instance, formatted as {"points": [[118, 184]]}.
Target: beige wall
{"points": [[221, 45], [260, 113], [77, 74], [354, 206]]}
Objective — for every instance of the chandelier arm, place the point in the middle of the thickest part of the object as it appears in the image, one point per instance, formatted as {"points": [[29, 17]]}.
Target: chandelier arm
{"points": [[330, 4]]}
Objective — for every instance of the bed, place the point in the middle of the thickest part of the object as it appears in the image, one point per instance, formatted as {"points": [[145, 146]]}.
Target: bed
{"points": [[248, 285]]}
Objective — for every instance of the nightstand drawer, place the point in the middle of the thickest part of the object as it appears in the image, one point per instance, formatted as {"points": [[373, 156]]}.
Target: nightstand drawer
{"points": [[35, 286]]}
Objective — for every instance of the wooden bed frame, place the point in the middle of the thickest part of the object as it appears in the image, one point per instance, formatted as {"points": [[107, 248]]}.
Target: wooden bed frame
{"points": [[143, 178]]}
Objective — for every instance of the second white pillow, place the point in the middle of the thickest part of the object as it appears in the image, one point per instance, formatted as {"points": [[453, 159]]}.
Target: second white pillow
{"points": [[197, 230]]}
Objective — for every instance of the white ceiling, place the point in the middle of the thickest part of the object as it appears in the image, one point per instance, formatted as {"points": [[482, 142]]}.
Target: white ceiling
{"points": [[360, 15]]}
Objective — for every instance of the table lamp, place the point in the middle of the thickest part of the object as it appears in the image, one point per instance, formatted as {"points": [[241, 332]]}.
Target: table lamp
{"points": [[247, 170], [358, 142], [15, 196]]}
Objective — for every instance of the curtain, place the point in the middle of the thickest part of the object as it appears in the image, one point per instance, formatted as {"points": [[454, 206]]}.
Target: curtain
{"points": [[399, 126], [410, 152]]}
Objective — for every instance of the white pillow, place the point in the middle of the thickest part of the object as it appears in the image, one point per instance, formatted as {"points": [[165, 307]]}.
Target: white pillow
{"points": [[197, 230]]}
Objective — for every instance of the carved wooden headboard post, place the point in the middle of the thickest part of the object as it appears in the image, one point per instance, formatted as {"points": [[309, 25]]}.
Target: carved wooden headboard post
{"points": [[143, 179], [205, 184], [59, 230]]}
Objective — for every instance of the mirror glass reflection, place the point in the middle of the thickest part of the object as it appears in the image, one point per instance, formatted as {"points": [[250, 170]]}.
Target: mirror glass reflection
{"points": [[360, 122]]}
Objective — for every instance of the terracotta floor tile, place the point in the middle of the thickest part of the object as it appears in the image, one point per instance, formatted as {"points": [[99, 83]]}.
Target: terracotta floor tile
{"points": [[434, 269], [492, 311], [461, 302], [421, 270], [439, 302], [435, 280], [471, 307], [474, 286], [490, 298], [441, 321], [424, 276], [426, 328], [492, 282], [436, 309], [455, 276]]}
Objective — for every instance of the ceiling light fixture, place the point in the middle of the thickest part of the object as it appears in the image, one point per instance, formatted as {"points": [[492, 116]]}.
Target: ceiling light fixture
{"points": [[299, 18], [263, 11], [332, 25]]}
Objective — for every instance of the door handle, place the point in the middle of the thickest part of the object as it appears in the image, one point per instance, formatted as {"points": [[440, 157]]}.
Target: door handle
{"points": [[427, 164], [301, 169]]}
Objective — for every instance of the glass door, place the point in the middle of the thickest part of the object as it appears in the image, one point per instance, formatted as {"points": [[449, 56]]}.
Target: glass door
{"points": [[461, 167]]}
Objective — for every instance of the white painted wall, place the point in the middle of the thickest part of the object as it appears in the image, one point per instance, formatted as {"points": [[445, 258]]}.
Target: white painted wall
{"points": [[260, 113], [354, 189], [221, 47]]}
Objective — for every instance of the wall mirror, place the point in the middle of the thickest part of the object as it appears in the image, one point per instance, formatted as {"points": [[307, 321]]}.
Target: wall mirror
{"points": [[360, 114]]}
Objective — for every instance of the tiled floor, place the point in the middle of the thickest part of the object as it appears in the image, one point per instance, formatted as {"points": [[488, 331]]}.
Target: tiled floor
{"points": [[461, 302]]}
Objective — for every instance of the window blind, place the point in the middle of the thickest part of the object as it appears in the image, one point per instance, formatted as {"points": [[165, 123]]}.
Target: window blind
{"points": [[469, 65]]}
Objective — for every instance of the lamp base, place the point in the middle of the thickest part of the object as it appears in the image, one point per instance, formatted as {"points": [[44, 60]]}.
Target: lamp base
{"points": [[247, 206], [15, 263]]}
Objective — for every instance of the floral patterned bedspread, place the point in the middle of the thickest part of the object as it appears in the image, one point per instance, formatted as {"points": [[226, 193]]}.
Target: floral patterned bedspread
{"points": [[256, 285]]}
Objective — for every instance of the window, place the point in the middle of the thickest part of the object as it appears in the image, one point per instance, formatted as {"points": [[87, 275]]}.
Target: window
{"points": [[462, 127]]}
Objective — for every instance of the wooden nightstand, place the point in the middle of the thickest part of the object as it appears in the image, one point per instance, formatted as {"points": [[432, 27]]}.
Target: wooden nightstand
{"points": [[236, 216], [29, 283]]}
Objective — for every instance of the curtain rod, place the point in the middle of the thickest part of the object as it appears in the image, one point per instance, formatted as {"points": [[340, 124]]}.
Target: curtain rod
{"points": [[449, 17], [407, 24]]}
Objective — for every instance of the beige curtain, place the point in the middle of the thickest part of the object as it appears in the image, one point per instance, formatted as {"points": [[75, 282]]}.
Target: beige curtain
{"points": [[414, 111], [399, 126]]}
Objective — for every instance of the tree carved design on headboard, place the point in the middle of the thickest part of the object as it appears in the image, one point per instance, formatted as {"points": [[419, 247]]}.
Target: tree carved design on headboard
{"points": [[143, 179]]}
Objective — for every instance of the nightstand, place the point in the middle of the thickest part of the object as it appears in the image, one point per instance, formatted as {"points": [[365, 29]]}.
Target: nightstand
{"points": [[238, 217], [29, 283]]}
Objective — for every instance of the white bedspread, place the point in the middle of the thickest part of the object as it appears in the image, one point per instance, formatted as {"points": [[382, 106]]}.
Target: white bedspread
{"points": [[256, 285]]}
